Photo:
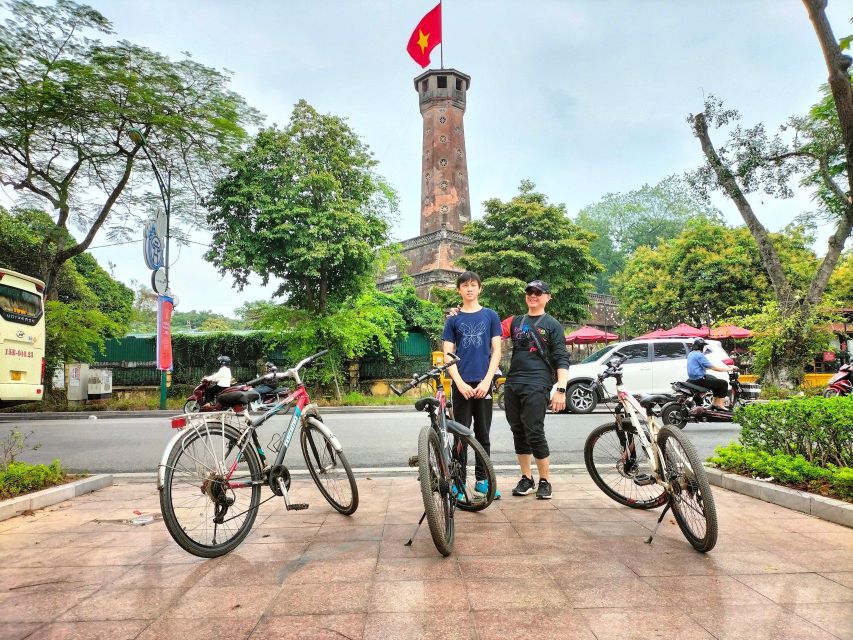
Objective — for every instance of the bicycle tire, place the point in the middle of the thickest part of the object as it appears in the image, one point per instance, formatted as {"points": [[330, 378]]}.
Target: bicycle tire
{"points": [[196, 462], [435, 490], [604, 448], [674, 414], [692, 500], [476, 501], [325, 465]]}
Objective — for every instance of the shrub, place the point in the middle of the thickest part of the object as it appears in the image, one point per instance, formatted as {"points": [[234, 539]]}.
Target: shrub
{"points": [[21, 477], [786, 469], [818, 429]]}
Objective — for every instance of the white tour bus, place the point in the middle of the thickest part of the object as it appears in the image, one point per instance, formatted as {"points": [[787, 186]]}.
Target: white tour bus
{"points": [[21, 338]]}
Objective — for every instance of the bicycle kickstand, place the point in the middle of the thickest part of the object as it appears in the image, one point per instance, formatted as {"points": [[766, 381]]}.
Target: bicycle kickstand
{"points": [[665, 509], [291, 506], [412, 539]]}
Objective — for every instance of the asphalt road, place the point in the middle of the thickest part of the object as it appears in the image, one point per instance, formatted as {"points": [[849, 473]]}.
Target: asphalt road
{"points": [[370, 440]]}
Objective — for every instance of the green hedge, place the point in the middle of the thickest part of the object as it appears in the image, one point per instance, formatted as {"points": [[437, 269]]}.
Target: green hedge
{"points": [[791, 470], [21, 477], [818, 429]]}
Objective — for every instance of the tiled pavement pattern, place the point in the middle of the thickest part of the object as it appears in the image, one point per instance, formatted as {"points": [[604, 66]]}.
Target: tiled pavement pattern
{"points": [[572, 567]]}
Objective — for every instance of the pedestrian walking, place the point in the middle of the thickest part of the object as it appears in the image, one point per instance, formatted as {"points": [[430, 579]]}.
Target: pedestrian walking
{"points": [[539, 357], [474, 334]]}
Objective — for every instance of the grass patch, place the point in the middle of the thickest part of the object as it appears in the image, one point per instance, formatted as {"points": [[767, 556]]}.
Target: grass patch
{"points": [[791, 471], [356, 399]]}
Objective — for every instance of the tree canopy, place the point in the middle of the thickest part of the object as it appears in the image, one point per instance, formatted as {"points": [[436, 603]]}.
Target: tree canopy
{"points": [[525, 239], [623, 222], [705, 274], [67, 102], [303, 206]]}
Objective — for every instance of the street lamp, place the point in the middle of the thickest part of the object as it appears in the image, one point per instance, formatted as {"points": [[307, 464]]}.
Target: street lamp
{"points": [[166, 194]]}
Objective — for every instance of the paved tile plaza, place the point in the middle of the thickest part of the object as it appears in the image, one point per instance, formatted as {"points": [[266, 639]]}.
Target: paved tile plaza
{"points": [[572, 567]]}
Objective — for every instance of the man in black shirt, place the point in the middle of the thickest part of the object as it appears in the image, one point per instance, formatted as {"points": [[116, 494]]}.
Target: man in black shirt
{"points": [[537, 359]]}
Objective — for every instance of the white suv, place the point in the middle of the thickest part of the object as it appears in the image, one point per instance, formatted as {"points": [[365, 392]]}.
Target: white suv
{"points": [[651, 366]]}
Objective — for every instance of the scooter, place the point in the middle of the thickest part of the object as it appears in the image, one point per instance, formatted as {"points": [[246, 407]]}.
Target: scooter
{"points": [[196, 402], [841, 383], [692, 402], [269, 394]]}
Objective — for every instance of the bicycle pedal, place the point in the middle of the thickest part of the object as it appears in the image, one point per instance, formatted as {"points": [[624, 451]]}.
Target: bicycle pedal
{"points": [[297, 506], [644, 479], [413, 461]]}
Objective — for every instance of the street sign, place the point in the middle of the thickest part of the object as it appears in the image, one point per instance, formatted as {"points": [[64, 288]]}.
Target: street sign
{"points": [[152, 247], [158, 281]]}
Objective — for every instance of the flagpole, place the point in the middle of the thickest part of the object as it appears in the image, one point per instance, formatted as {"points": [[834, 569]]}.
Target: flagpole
{"points": [[441, 13]]}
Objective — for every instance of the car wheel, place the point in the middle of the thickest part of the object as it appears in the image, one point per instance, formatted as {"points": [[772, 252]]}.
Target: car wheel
{"points": [[580, 398]]}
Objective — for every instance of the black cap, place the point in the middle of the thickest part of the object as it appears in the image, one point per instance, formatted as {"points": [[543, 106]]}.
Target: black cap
{"points": [[538, 284]]}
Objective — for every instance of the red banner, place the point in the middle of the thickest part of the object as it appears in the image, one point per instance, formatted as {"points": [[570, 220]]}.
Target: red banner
{"points": [[425, 37], [164, 332]]}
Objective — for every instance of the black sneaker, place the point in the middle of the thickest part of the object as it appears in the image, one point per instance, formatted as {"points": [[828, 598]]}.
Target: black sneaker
{"points": [[544, 490], [524, 486]]}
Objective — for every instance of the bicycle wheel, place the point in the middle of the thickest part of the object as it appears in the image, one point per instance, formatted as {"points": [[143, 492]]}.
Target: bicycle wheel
{"points": [[329, 468], [435, 490], [473, 500], [692, 502], [615, 458], [212, 489]]}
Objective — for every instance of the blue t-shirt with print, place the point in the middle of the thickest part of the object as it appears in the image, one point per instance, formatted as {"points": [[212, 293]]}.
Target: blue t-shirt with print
{"points": [[697, 364], [472, 334]]}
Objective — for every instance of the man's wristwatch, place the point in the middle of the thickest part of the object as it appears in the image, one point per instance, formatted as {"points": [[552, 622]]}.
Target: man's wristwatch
{"points": [[561, 389]]}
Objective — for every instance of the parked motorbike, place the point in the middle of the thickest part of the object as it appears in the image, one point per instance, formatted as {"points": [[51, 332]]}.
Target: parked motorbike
{"points": [[196, 403], [841, 383], [692, 402], [269, 393]]}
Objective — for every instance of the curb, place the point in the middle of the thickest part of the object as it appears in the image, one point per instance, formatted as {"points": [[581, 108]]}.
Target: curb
{"points": [[830, 509], [47, 497]]}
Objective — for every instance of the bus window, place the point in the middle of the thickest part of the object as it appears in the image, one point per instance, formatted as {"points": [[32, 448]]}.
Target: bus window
{"points": [[22, 335], [17, 305]]}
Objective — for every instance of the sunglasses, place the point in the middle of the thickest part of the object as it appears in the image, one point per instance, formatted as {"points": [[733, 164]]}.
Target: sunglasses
{"points": [[534, 292]]}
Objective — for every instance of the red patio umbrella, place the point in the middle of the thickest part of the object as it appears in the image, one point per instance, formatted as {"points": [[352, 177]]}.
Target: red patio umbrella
{"points": [[685, 330], [657, 333], [589, 335], [730, 331]]}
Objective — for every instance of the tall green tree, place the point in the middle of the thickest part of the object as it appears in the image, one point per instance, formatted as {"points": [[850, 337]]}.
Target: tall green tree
{"points": [[704, 275], [817, 151], [67, 101], [528, 238], [623, 222], [303, 206]]}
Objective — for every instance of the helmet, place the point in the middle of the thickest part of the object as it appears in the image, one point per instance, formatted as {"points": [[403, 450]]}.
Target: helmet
{"points": [[699, 343], [271, 367], [224, 360]]}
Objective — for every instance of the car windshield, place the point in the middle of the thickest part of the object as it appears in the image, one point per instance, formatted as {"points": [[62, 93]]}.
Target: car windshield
{"points": [[595, 356]]}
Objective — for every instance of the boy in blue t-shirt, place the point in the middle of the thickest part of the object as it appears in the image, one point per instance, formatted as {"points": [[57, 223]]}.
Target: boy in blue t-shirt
{"points": [[473, 334]]}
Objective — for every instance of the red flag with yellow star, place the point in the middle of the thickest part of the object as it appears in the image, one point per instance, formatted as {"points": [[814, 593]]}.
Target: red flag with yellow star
{"points": [[425, 37]]}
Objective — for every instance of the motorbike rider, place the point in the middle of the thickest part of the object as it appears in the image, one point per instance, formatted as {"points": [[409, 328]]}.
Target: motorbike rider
{"points": [[221, 379], [264, 388], [698, 364]]}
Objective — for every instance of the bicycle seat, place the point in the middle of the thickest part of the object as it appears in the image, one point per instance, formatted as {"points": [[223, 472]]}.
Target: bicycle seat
{"points": [[458, 429], [426, 402], [648, 401], [233, 398]]}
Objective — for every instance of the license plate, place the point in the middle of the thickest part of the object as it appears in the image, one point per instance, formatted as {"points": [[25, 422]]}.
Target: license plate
{"points": [[17, 376]]}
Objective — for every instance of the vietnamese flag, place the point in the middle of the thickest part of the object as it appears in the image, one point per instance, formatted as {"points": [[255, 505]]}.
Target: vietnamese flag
{"points": [[425, 37]]}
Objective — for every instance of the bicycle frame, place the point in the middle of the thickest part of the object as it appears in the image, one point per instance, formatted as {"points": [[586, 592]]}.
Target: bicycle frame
{"points": [[647, 430]]}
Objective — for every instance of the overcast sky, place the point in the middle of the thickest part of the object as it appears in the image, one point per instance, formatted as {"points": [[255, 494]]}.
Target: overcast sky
{"points": [[584, 97]]}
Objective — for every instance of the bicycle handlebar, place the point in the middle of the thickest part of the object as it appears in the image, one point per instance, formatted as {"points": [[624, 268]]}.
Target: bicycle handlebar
{"points": [[432, 373]]}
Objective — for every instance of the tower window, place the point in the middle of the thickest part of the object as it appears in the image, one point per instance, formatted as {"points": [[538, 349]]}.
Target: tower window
{"points": [[424, 85], [459, 84], [442, 82]]}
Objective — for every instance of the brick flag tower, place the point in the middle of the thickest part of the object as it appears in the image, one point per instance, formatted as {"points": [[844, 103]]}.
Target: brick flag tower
{"points": [[445, 205]]}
